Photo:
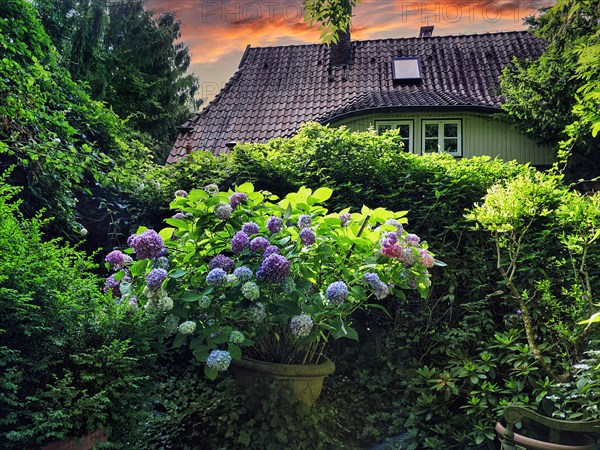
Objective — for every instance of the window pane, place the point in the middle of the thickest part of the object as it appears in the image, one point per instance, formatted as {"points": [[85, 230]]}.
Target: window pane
{"points": [[451, 145], [450, 130], [431, 145], [404, 130], [431, 130], [383, 128], [406, 144]]}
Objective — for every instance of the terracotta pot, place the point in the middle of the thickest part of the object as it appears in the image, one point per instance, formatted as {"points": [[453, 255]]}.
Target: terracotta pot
{"points": [[585, 442], [87, 442], [305, 380]]}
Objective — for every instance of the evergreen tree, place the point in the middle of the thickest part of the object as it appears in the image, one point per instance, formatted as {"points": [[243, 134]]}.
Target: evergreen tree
{"points": [[130, 59]]}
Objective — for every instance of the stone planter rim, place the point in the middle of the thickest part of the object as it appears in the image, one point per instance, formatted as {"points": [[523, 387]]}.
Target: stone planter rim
{"points": [[327, 367]]}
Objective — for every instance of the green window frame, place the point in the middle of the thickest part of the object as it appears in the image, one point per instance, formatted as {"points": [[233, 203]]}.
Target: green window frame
{"points": [[405, 127], [442, 135]]}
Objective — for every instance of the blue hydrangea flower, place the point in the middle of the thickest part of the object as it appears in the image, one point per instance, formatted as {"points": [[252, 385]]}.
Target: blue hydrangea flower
{"points": [[216, 277], [147, 245], [236, 337], [304, 221], [179, 215], [274, 224], [187, 327], [236, 198], [337, 292], [223, 210], [301, 325], [155, 278], [243, 274], [250, 228], [239, 242], [408, 256], [382, 290], [308, 236], [223, 262], [259, 244], [219, 360], [160, 262], [274, 268], [250, 290]]}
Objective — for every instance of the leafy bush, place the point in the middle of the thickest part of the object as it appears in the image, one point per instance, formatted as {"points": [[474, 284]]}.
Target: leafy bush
{"points": [[66, 364]]}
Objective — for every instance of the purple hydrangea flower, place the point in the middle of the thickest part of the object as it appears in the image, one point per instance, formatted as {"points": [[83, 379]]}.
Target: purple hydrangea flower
{"points": [[117, 259], [304, 221], [160, 262], [396, 224], [223, 262], [274, 224], [223, 210], [426, 258], [212, 189], [270, 250], [337, 292], [236, 198], [243, 274], [147, 245], [274, 268], [301, 325], [219, 360], [155, 278], [114, 285], [130, 240], [216, 277], [250, 228], [412, 239], [239, 242], [345, 218], [390, 238], [259, 244], [308, 236], [179, 215], [181, 193]]}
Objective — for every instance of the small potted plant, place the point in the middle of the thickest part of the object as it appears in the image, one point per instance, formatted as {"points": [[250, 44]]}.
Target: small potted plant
{"points": [[246, 277]]}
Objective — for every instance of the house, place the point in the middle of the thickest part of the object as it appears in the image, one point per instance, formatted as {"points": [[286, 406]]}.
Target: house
{"points": [[441, 92]]}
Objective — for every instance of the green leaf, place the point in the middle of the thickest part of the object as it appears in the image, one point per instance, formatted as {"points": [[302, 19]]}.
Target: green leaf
{"points": [[191, 296], [178, 273], [235, 351], [210, 373], [201, 353], [245, 187], [179, 340], [323, 194], [166, 233], [139, 267]]}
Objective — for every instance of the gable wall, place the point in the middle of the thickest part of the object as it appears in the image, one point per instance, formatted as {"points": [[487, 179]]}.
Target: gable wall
{"points": [[481, 135]]}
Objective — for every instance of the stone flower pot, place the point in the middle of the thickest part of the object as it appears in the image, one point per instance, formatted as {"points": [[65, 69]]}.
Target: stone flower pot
{"points": [[305, 380]]}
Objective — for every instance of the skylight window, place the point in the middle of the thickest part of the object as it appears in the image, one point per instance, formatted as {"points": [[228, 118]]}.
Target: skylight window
{"points": [[406, 69]]}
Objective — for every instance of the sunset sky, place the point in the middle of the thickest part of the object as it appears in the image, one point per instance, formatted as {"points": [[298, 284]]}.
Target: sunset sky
{"points": [[218, 31]]}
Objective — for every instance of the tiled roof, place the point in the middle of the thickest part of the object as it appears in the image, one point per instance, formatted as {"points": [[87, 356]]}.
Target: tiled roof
{"points": [[276, 89]]}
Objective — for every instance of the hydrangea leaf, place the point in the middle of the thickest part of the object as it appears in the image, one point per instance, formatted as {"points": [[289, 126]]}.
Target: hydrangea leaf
{"points": [[210, 373]]}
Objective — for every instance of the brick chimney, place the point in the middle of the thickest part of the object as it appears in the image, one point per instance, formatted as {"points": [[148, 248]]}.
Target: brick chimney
{"points": [[340, 53], [426, 31]]}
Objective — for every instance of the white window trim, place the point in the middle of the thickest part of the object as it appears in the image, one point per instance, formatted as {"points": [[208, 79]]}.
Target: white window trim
{"points": [[411, 128], [440, 123]]}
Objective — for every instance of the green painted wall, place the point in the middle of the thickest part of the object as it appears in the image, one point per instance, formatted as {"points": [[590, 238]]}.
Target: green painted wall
{"points": [[481, 135]]}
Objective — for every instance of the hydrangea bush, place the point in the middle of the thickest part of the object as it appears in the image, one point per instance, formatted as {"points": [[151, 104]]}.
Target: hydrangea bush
{"points": [[246, 273]]}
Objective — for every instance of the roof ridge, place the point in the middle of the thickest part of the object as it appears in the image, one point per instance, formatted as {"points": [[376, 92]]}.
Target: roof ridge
{"points": [[489, 33]]}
